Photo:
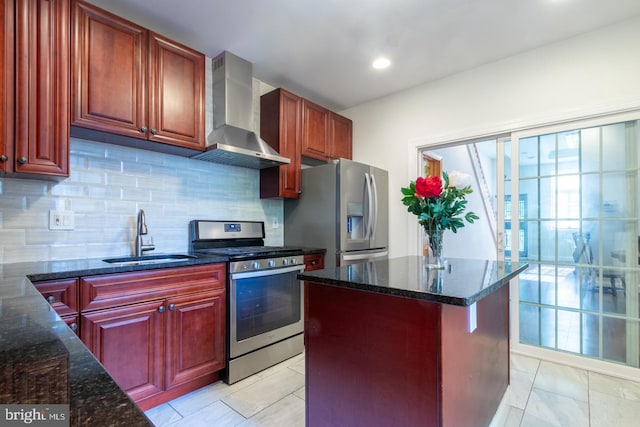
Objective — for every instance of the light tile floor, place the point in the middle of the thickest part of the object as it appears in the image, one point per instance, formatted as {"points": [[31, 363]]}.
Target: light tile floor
{"points": [[541, 394]]}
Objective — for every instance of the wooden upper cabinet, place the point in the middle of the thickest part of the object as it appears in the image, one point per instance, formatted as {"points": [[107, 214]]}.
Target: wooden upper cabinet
{"points": [[109, 72], [42, 47], [315, 130], [176, 86], [280, 127], [340, 136], [6, 84], [325, 134], [132, 82]]}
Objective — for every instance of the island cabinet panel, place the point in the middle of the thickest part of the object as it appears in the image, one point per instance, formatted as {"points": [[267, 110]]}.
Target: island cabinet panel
{"points": [[379, 360], [160, 333], [133, 82]]}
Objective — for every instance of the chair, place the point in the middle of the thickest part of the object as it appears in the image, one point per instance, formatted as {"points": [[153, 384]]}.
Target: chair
{"points": [[583, 256], [588, 275]]}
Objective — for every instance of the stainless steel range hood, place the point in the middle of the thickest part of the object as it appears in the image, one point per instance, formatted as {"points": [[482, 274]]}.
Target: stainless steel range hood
{"points": [[232, 141]]}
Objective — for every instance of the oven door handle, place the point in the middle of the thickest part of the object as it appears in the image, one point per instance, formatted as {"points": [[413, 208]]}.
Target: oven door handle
{"points": [[271, 272]]}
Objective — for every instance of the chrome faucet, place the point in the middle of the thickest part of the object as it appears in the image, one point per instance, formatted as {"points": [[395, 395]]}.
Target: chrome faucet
{"points": [[141, 230]]}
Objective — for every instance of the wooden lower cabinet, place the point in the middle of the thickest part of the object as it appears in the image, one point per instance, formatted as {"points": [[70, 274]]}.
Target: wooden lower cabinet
{"points": [[313, 262], [128, 341], [162, 347], [63, 296], [195, 337]]}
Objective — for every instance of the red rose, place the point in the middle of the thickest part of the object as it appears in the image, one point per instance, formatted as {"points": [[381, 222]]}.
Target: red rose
{"points": [[430, 186]]}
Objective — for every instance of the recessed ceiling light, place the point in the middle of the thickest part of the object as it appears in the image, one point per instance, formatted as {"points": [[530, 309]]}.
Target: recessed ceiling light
{"points": [[381, 63]]}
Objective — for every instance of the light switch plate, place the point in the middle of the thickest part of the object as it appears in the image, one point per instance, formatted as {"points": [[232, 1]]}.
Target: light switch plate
{"points": [[61, 220], [472, 320]]}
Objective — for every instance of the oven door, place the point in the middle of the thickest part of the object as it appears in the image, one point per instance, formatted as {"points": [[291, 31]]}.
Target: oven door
{"points": [[265, 307]]}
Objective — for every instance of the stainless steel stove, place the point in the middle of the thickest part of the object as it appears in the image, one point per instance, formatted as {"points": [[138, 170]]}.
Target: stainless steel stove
{"points": [[265, 301]]}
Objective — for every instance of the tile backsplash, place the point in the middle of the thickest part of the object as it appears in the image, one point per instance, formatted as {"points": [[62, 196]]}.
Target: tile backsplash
{"points": [[107, 186]]}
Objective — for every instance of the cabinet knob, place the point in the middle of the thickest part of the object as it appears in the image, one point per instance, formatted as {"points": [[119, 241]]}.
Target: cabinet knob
{"points": [[161, 309], [51, 299], [154, 131], [143, 129], [73, 326], [22, 160], [172, 307], [3, 158]]}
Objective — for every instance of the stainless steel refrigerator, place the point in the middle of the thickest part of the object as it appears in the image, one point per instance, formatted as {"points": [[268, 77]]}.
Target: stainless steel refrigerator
{"points": [[344, 208]]}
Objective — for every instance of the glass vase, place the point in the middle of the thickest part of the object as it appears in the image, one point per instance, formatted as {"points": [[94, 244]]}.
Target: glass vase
{"points": [[434, 257]]}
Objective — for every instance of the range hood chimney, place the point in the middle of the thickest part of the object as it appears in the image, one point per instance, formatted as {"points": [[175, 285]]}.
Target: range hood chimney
{"points": [[232, 141]]}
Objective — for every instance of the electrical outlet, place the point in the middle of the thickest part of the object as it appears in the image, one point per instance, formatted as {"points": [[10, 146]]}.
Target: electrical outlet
{"points": [[61, 220], [276, 223]]}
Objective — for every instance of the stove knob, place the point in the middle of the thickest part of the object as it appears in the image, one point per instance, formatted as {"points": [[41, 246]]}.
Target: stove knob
{"points": [[272, 263], [294, 261], [256, 265], [285, 261]]}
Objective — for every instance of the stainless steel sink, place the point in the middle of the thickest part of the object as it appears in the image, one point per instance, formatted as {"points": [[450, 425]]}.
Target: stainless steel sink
{"points": [[149, 259]]}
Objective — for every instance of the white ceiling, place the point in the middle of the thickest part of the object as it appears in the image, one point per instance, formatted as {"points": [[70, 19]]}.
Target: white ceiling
{"points": [[322, 49]]}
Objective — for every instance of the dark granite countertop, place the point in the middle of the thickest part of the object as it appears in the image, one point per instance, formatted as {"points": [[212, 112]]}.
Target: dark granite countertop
{"points": [[31, 333], [463, 282], [311, 251]]}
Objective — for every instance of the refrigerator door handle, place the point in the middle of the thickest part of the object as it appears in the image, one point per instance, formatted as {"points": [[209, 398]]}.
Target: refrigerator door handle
{"points": [[366, 255], [374, 221], [367, 233]]}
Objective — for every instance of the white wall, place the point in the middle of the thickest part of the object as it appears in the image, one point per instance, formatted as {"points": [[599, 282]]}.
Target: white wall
{"points": [[591, 74]]}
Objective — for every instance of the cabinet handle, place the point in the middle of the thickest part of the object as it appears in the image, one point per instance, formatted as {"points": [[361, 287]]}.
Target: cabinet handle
{"points": [[51, 299], [172, 307], [143, 129], [22, 160], [73, 326], [161, 309], [3, 158], [154, 131]]}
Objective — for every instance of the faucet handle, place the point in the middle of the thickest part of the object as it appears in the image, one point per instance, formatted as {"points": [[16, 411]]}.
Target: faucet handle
{"points": [[146, 244]]}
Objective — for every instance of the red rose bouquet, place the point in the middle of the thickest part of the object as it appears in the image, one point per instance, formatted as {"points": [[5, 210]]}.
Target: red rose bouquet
{"points": [[439, 204]]}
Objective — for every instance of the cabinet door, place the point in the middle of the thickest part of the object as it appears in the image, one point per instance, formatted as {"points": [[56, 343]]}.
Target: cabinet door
{"points": [[280, 127], [61, 294], [176, 89], [42, 87], [315, 131], [128, 341], [109, 72], [313, 262], [6, 85], [72, 322], [340, 137], [195, 331]]}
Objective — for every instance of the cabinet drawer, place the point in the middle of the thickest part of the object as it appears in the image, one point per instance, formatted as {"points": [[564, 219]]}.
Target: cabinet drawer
{"points": [[113, 290], [61, 294], [72, 321], [313, 262]]}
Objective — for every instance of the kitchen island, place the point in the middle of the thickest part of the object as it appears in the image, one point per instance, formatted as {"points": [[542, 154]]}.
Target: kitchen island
{"points": [[392, 343]]}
